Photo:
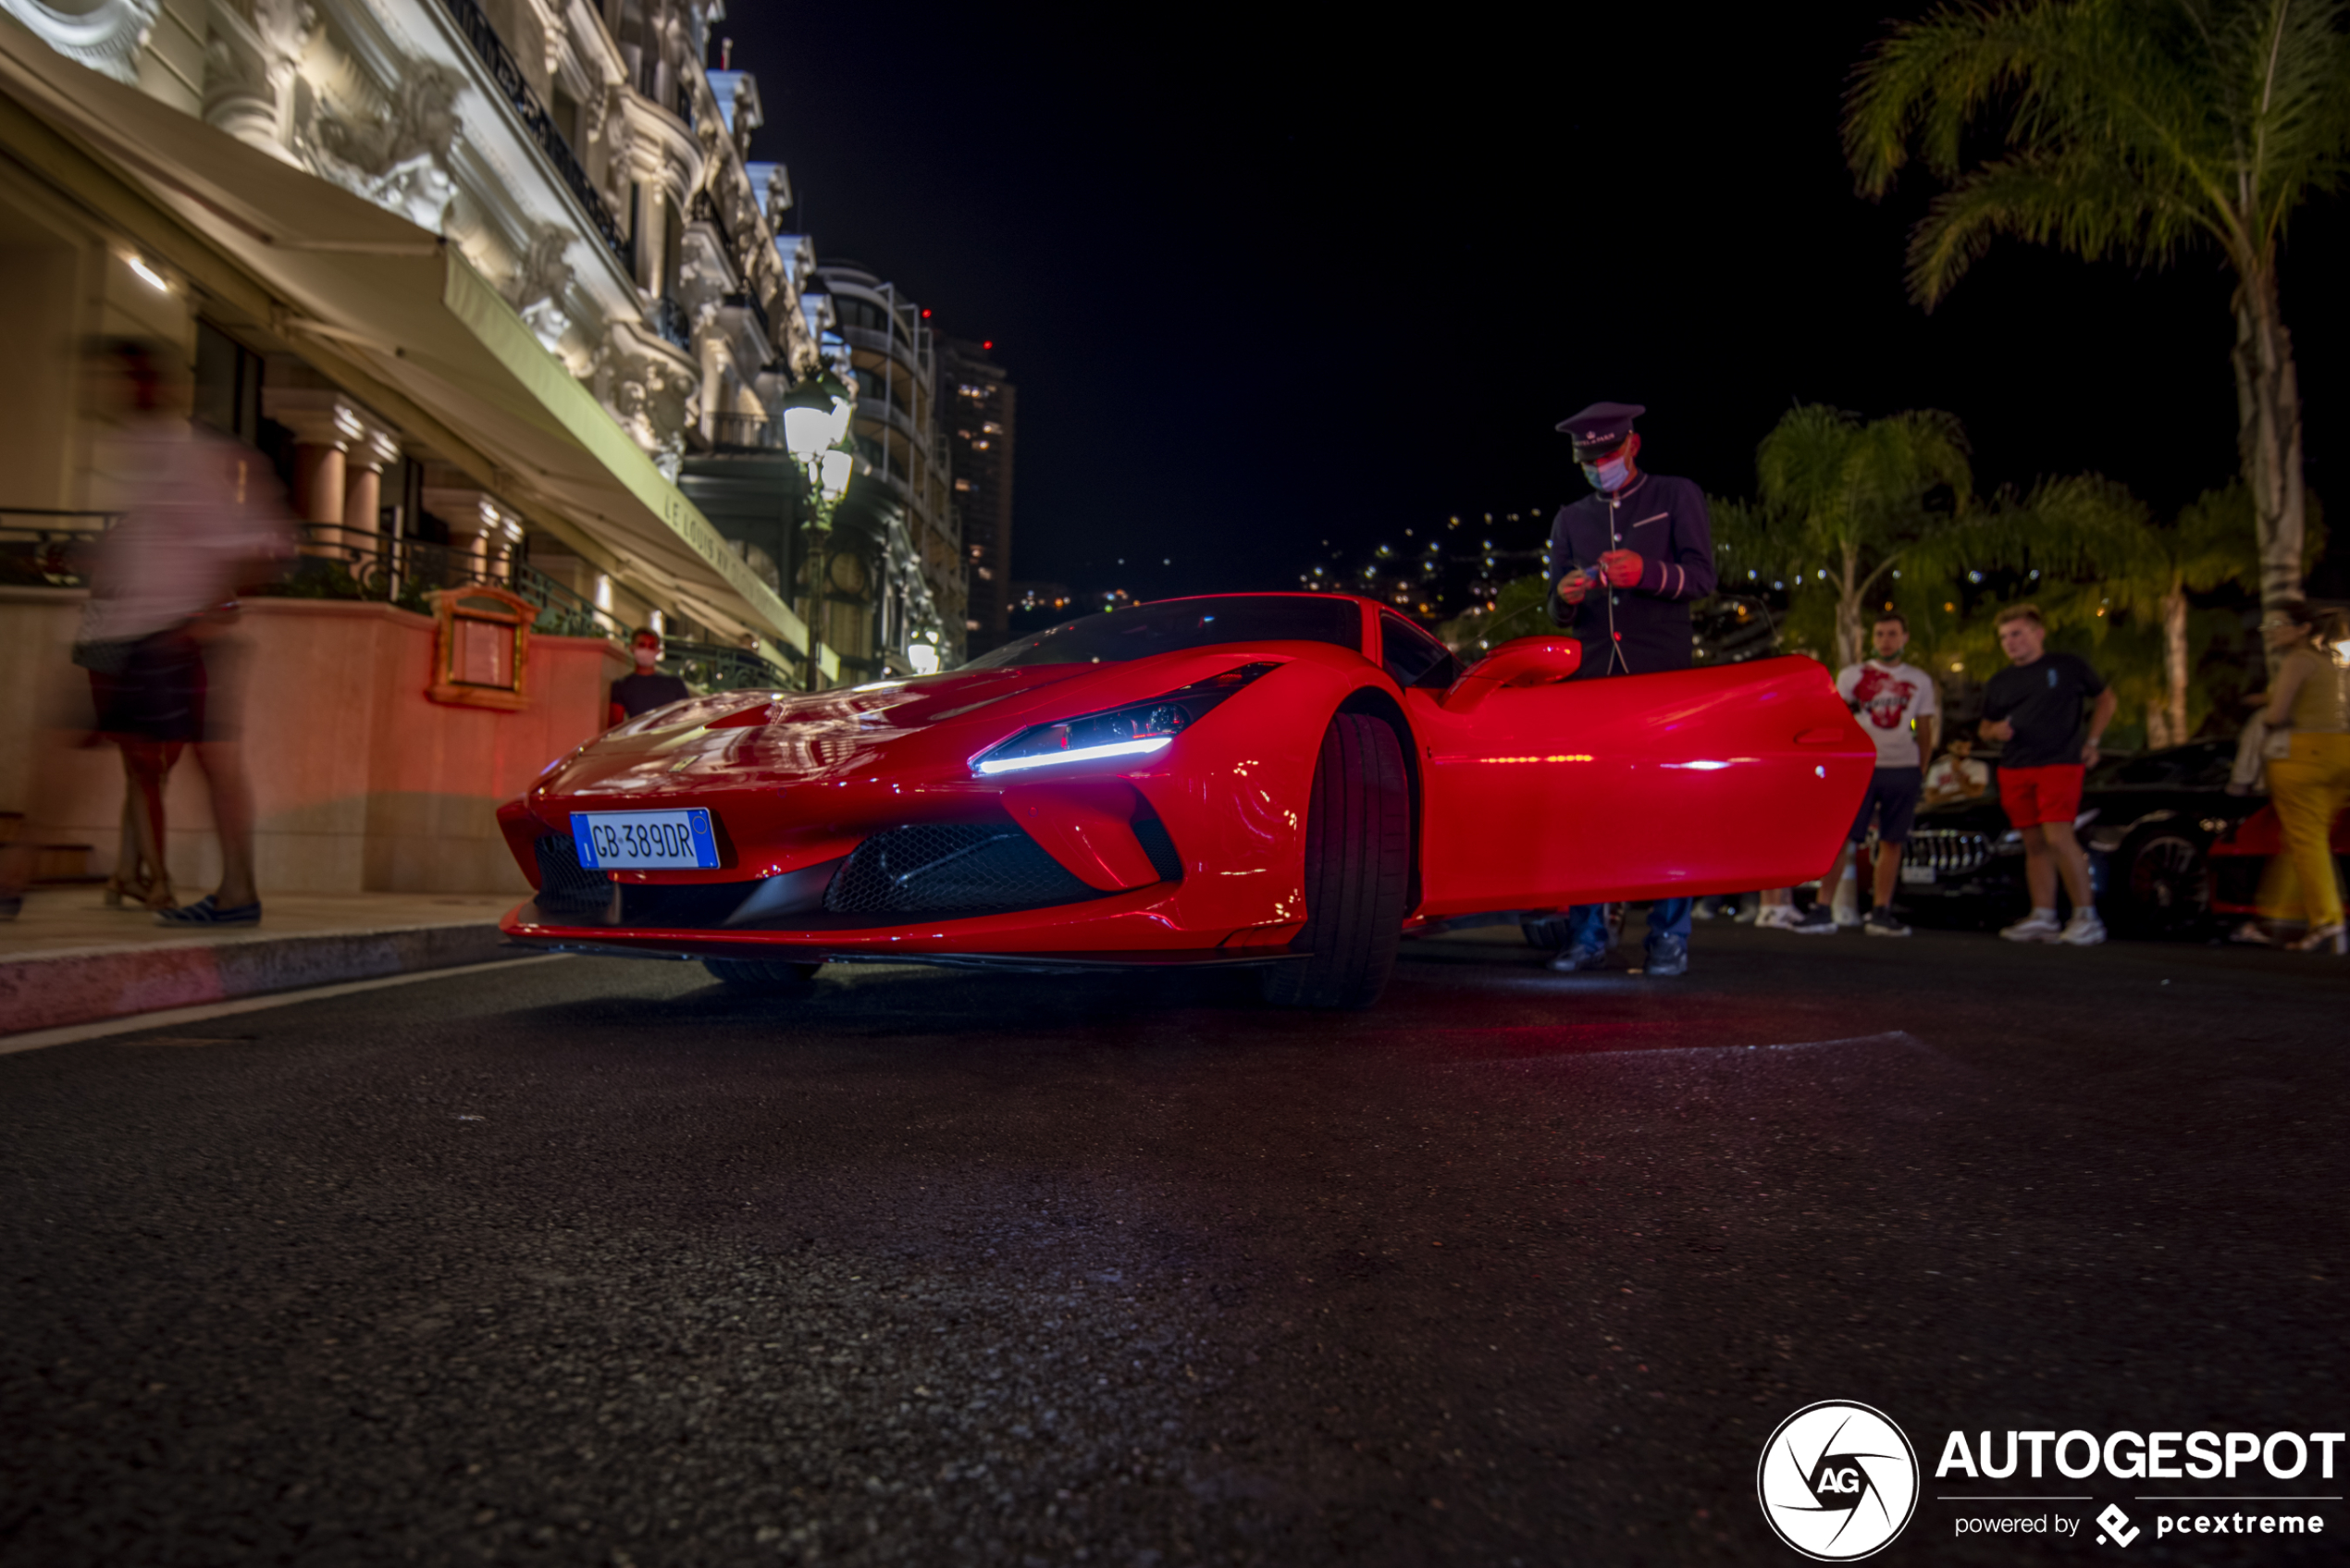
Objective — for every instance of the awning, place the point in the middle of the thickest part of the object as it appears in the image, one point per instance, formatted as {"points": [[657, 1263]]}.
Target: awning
{"points": [[403, 309]]}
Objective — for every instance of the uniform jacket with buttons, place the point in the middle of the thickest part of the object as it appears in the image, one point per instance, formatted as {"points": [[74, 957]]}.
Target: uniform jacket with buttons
{"points": [[1663, 522]]}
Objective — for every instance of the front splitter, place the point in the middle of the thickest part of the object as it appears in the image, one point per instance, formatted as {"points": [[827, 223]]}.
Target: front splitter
{"points": [[1029, 963]]}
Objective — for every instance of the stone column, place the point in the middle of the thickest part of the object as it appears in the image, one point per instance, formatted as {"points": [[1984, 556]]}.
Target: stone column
{"points": [[363, 489], [339, 453], [481, 529]]}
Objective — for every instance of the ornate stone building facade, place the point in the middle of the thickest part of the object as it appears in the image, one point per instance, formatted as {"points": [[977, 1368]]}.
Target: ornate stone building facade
{"points": [[496, 289], [582, 162], [899, 512]]}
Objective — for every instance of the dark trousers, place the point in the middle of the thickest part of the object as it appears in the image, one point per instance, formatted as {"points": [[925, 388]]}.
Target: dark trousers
{"points": [[1587, 923]]}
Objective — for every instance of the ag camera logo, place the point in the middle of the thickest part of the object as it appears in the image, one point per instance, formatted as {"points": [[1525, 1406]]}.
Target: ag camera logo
{"points": [[1837, 1481]]}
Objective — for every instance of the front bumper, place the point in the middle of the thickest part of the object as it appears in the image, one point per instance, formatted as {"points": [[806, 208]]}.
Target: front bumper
{"points": [[1136, 928]]}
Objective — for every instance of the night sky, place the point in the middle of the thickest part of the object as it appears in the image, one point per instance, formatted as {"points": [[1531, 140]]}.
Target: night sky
{"points": [[1264, 281]]}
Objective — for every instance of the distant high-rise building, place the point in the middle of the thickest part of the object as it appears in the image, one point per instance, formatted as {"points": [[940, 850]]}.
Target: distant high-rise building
{"points": [[893, 534], [977, 401]]}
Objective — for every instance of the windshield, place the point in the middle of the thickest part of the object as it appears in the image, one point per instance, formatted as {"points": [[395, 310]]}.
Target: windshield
{"points": [[1176, 624]]}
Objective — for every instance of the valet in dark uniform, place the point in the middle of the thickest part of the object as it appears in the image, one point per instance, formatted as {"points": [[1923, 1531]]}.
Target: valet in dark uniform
{"points": [[1628, 558], [1626, 561]]}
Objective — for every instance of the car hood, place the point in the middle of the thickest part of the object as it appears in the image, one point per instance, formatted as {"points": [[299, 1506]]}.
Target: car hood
{"points": [[927, 727]]}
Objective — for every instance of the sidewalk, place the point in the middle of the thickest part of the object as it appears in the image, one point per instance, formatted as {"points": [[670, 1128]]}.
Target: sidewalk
{"points": [[68, 959]]}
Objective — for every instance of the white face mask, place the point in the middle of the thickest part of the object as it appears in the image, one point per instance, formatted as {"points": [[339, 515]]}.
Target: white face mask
{"points": [[646, 657], [1609, 474]]}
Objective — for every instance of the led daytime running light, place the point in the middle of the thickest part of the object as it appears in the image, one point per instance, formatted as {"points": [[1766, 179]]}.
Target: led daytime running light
{"points": [[1136, 729], [1079, 754]]}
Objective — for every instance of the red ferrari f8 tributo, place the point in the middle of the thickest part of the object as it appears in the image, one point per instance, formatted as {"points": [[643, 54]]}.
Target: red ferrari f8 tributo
{"points": [[1292, 781]]}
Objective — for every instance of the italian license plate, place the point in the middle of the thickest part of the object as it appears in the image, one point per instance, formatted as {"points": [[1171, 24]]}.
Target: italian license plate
{"points": [[620, 840], [1918, 875]]}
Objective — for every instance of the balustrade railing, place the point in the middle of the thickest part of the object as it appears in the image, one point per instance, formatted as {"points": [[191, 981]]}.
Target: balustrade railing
{"points": [[709, 667], [337, 562], [507, 72], [49, 550], [751, 431]]}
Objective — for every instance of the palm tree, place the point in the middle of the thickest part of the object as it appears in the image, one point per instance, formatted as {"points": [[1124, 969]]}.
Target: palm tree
{"points": [[1842, 501], [2097, 563], [2133, 128]]}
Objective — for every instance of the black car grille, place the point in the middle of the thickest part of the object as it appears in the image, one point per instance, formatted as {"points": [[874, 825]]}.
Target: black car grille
{"points": [[951, 867], [563, 882], [1954, 851]]}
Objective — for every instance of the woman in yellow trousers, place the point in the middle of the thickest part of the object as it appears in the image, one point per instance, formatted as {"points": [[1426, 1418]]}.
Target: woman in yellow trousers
{"points": [[2311, 782]]}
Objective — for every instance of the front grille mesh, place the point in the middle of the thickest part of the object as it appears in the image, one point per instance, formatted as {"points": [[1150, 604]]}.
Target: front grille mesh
{"points": [[1950, 850], [942, 867], [563, 882]]}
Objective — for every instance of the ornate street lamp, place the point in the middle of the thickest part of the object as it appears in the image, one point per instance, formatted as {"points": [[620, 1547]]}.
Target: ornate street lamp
{"points": [[816, 414]]}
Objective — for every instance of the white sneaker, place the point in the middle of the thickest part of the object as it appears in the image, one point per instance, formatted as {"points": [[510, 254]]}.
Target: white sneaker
{"points": [[2040, 925], [2085, 930], [1772, 916]]}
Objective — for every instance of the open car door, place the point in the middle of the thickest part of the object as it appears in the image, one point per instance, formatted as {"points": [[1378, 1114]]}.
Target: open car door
{"points": [[1539, 791]]}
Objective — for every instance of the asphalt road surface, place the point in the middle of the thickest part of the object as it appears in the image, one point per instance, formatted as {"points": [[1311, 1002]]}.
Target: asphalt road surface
{"points": [[594, 1262]]}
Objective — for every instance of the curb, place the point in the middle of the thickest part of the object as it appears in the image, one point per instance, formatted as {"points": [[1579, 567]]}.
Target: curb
{"points": [[83, 985]]}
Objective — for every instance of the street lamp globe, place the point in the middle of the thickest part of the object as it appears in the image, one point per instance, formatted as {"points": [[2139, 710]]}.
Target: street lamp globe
{"points": [[816, 414], [834, 472]]}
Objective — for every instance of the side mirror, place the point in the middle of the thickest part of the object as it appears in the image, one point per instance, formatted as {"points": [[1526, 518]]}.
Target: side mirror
{"points": [[1528, 661]]}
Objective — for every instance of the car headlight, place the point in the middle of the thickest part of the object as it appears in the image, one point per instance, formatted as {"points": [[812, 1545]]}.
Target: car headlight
{"points": [[2008, 842], [1136, 729]]}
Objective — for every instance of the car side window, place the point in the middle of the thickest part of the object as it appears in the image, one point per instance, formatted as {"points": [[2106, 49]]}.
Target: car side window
{"points": [[1412, 658]]}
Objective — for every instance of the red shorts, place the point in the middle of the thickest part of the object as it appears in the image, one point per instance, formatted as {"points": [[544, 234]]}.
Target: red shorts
{"points": [[2033, 795]]}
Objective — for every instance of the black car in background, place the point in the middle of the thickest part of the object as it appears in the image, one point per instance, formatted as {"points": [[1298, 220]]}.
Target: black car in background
{"points": [[2148, 822]]}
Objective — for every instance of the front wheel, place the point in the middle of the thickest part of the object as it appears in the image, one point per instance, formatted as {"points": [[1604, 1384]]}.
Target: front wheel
{"points": [[1358, 867], [2161, 887], [754, 974]]}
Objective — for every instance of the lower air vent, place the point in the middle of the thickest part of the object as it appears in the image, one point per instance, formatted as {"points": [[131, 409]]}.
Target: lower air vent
{"points": [[563, 882], [951, 867]]}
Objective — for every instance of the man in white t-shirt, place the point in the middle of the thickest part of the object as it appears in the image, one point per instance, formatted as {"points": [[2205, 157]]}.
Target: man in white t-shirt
{"points": [[1898, 705]]}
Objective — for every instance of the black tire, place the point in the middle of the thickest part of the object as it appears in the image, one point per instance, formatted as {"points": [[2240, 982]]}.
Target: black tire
{"points": [[1358, 867], [754, 974], [2159, 887]]}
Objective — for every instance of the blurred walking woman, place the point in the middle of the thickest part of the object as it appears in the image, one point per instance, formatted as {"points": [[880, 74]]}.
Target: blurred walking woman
{"points": [[2309, 714]]}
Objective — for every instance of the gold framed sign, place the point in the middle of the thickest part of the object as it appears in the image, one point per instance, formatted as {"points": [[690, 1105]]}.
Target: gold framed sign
{"points": [[481, 648]]}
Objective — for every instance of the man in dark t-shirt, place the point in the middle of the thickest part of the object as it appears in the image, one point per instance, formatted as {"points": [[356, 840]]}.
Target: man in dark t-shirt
{"points": [[2034, 709], [644, 691]]}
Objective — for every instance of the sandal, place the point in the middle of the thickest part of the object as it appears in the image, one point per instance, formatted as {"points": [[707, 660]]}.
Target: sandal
{"points": [[206, 911], [2332, 939]]}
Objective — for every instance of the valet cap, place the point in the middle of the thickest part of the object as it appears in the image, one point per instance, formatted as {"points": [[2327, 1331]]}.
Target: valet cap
{"points": [[1601, 428]]}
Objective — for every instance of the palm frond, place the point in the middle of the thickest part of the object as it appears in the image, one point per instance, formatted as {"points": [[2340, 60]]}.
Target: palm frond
{"points": [[2129, 126], [2092, 206]]}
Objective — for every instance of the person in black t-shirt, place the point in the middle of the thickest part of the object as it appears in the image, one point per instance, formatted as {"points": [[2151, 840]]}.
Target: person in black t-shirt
{"points": [[644, 691], [2034, 709]]}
